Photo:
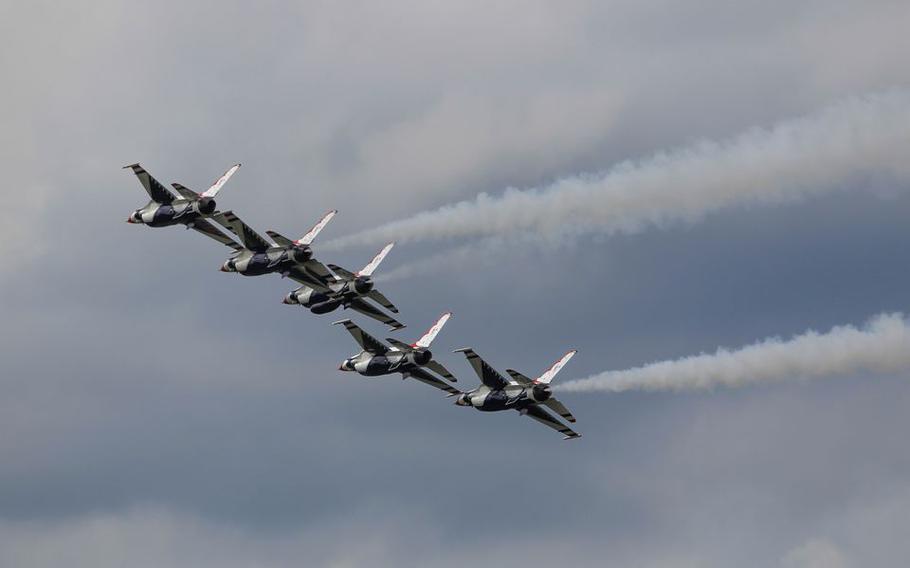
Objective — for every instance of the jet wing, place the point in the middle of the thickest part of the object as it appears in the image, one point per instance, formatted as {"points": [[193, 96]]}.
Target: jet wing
{"points": [[559, 408], [156, 191], [547, 419], [209, 230], [519, 378], [488, 375], [366, 341], [378, 297], [429, 379], [250, 238], [185, 192], [366, 309]]}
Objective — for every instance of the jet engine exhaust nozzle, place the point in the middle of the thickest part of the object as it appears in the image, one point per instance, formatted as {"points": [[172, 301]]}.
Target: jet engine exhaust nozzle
{"points": [[541, 393], [206, 205], [422, 356], [363, 284]]}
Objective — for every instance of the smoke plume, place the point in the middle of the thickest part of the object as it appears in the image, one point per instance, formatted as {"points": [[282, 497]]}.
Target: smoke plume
{"points": [[794, 159], [881, 346]]}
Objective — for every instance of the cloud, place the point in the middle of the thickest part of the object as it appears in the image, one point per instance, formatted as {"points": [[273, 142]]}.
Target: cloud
{"points": [[882, 346], [815, 553], [792, 160]]}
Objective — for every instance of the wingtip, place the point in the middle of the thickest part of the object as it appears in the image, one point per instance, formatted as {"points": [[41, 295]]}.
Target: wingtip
{"points": [[461, 350], [136, 165], [575, 437], [348, 320]]}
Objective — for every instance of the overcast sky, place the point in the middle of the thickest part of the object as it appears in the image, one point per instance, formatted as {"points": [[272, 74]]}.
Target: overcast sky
{"points": [[156, 412]]}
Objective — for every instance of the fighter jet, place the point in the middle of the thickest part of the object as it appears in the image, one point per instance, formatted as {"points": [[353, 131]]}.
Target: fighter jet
{"points": [[190, 208], [414, 360], [283, 256], [520, 393], [348, 289]]}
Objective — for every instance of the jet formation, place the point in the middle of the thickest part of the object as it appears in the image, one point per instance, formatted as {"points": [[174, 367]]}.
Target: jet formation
{"points": [[326, 287]]}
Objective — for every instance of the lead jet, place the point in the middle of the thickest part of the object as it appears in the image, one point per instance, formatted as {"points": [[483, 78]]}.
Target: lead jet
{"points": [[414, 360], [283, 256], [347, 289], [190, 209], [529, 397]]}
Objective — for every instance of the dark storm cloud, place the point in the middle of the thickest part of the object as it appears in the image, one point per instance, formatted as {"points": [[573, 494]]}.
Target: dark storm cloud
{"points": [[152, 403]]}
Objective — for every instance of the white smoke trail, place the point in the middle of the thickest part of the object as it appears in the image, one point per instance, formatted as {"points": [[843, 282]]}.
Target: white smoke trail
{"points": [[791, 160], [881, 346]]}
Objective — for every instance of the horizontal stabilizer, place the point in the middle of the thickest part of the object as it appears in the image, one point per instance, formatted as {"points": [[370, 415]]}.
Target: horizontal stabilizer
{"points": [[342, 272], [547, 419], [399, 345], [519, 378], [366, 309], [437, 368], [559, 408], [380, 299], [184, 191], [279, 238]]}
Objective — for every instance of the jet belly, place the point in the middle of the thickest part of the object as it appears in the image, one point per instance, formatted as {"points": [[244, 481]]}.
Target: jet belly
{"points": [[261, 263], [381, 365], [509, 398], [167, 215]]}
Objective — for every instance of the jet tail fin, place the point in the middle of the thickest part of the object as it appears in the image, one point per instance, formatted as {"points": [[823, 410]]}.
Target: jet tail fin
{"points": [[216, 187], [548, 375], [427, 339], [317, 228], [374, 264]]}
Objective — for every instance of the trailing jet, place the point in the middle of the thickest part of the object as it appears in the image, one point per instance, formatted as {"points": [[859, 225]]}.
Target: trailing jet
{"points": [[190, 208], [283, 256], [414, 360], [521, 393], [347, 289]]}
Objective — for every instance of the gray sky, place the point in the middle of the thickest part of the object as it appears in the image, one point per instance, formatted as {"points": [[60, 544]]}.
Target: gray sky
{"points": [[157, 412]]}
